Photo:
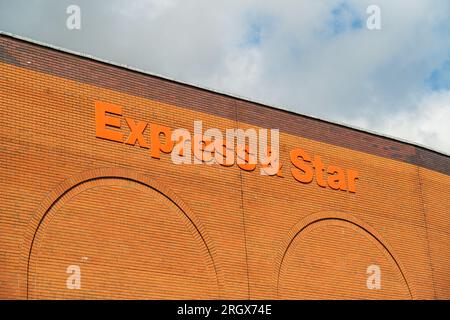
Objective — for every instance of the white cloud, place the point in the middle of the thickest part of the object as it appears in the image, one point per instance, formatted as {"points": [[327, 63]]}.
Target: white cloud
{"points": [[289, 53], [428, 125], [241, 71], [149, 9]]}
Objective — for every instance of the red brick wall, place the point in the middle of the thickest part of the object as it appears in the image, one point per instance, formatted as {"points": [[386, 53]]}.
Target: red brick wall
{"points": [[140, 227]]}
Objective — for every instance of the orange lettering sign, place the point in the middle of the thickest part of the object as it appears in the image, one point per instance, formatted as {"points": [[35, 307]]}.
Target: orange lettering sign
{"points": [[305, 168]]}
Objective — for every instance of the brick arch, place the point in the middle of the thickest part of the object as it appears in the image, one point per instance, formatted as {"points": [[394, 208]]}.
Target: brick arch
{"points": [[369, 232], [89, 179]]}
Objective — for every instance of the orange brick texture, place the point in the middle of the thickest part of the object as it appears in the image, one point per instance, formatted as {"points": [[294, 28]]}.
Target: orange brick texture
{"points": [[144, 228]]}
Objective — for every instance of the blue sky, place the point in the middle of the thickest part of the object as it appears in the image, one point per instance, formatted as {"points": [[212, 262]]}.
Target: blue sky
{"points": [[345, 18], [439, 79], [314, 57]]}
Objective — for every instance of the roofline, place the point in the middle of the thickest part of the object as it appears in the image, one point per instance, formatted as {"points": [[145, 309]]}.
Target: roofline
{"points": [[223, 93]]}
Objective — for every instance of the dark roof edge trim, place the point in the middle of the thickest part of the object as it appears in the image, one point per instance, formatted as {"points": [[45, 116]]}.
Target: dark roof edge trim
{"points": [[227, 94]]}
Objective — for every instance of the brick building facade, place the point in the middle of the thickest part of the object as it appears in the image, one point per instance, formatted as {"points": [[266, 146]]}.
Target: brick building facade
{"points": [[136, 226]]}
